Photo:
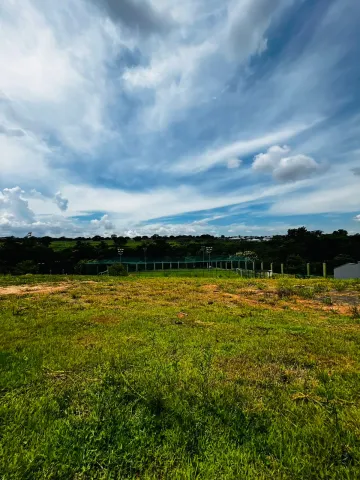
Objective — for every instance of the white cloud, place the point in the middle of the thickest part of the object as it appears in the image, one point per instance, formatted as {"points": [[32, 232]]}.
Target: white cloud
{"points": [[337, 192], [285, 168], [53, 71], [14, 206], [61, 201], [267, 162], [235, 149], [104, 223], [357, 218], [234, 163], [17, 217], [23, 159], [297, 167], [248, 22], [190, 67]]}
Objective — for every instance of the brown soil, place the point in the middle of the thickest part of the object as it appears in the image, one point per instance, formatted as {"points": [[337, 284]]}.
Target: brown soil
{"points": [[26, 289], [269, 299]]}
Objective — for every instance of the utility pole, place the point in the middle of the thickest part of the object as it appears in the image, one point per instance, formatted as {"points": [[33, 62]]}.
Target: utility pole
{"points": [[203, 248], [145, 250], [208, 251]]}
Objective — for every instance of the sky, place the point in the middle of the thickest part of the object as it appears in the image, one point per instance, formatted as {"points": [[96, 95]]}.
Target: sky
{"points": [[142, 117]]}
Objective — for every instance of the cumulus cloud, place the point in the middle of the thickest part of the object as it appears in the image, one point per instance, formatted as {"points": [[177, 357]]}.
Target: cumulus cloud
{"points": [[17, 218], [14, 207], [234, 163], [267, 162], [61, 201], [234, 149], [285, 168], [104, 223], [357, 218]]}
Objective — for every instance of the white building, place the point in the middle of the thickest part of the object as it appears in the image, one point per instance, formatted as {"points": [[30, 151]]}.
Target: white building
{"points": [[349, 270]]}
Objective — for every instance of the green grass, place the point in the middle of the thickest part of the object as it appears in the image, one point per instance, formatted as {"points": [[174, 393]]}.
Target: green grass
{"points": [[183, 272], [178, 378], [58, 245]]}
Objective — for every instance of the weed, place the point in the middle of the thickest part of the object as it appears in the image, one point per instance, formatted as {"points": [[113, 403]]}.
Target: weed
{"points": [[355, 312], [340, 286], [306, 292], [327, 300], [285, 291]]}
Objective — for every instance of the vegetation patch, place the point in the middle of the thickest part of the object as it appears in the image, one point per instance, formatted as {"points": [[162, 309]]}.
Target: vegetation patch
{"points": [[179, 378]]}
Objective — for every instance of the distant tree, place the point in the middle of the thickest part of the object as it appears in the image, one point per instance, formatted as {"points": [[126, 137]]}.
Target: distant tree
{"points": [[248, 254], [79, 267], [118, 270], [340, 233], [27, 266], [45, 241]]}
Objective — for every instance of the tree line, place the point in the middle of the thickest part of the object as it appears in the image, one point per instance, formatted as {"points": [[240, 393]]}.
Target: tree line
{"points": [[298, 247]]}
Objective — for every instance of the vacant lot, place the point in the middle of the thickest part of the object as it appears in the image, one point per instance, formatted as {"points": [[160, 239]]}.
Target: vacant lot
{"points": [[179, 378]]}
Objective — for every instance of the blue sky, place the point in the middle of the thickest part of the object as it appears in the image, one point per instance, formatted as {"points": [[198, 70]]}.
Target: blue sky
{"points": [[228, 117]]}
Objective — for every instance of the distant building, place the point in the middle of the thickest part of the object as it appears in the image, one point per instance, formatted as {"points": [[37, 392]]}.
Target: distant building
{"points": [[349, 270]]}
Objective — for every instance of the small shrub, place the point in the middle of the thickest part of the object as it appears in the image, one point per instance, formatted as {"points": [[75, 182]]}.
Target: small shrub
{"points": [[25, 267], [327, 300], [320, 288], [340, 286], [118, 270], [355, 312], [285, 291], [306, 292]]}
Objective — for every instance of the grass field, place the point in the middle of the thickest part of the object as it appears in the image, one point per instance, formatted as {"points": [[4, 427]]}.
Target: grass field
{"points": [[179, 378]]}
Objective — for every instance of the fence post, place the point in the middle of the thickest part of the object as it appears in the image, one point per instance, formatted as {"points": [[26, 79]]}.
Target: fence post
{"points": [[262, 266], [308, 269], [272, 267], [324, 270], [178, 265], [282, 269]]}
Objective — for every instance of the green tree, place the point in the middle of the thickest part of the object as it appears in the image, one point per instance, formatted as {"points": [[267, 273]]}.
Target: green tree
{"points": [[27, 266], [118, 270]]}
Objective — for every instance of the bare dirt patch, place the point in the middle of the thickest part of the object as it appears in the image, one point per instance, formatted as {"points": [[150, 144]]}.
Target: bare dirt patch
{"points": [[33, 289], [269, 299]]}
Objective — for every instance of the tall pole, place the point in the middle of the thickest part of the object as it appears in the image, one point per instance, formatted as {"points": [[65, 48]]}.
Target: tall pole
{"points": [[120, 252], [145, 249], [203, 248], [208, 251]]}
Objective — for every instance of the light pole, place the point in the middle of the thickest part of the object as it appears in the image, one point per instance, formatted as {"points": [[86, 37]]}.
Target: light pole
{"points": [[203, 248], [208, 251], [145, 250], [120, 252]]}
